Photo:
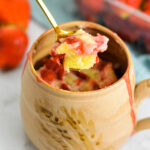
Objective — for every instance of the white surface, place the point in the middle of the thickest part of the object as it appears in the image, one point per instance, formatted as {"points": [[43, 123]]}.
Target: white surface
{"points": [[12, 136]]}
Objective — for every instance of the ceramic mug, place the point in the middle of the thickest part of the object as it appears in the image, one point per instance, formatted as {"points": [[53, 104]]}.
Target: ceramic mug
{"points": [[104, 119]]}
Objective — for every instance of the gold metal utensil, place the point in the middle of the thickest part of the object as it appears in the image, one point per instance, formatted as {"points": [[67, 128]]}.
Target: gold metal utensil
{"points": [[60, 33]]}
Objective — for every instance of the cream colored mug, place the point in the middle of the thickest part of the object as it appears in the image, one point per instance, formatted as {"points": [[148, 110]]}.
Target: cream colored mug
{"points": [[104, 119]]}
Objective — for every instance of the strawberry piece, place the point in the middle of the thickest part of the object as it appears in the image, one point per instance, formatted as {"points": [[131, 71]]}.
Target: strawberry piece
{"points": [[64, 87], [51, 64], [59, 58], [81, 75], [54, 65], [60, 73], [15, 11], [79, 45], [13, 43], [48, 75]]}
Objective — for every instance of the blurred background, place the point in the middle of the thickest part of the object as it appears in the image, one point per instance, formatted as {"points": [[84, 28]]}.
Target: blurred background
{"points": [[22, 22]]}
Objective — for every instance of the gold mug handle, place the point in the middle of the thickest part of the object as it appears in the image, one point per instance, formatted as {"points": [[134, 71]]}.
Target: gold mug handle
{"points": [[142, 91]]}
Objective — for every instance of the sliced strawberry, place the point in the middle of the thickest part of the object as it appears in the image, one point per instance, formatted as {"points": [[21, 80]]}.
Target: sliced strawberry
{"points": [[51, 64], [13, 43], [81, 75], [65, 87], [59, 58], [79, 45], [48, 75], [60, 73], [54, 65]]}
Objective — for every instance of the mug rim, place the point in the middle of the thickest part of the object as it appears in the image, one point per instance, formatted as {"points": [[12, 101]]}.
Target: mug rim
{"points": [[80, 93]]}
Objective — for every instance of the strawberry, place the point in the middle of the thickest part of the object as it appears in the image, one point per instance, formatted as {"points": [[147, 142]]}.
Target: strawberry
{"points": [[13, 43], [81, 75], [65, 87], [55, 66], [15, 12], [48, 75]]}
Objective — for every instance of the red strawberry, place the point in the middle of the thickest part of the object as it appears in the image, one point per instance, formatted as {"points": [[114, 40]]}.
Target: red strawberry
{"points": [[48, 75], [54, 65], [13, 43], [81, 75], [15, 12], [65, 87]]}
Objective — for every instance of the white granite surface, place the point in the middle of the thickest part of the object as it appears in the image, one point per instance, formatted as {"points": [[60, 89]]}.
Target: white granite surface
{"points": [[12, 136]]}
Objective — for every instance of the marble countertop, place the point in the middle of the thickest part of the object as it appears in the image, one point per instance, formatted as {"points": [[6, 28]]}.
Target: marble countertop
{"points": [[12, 136]]}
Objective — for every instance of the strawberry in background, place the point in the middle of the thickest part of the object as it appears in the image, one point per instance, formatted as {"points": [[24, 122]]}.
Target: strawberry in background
{"points": [[14, 20], [15, 12], [13, 43]]}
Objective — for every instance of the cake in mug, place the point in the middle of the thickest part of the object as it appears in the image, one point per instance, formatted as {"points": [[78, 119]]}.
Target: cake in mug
{"points": [[73, 63]]}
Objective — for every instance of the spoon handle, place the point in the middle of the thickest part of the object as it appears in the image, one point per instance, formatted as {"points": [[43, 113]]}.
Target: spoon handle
{"points": [[48, 14]]}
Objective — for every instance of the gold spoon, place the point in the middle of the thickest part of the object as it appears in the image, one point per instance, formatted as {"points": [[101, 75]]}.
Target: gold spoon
{"points": [[60, 33]]}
